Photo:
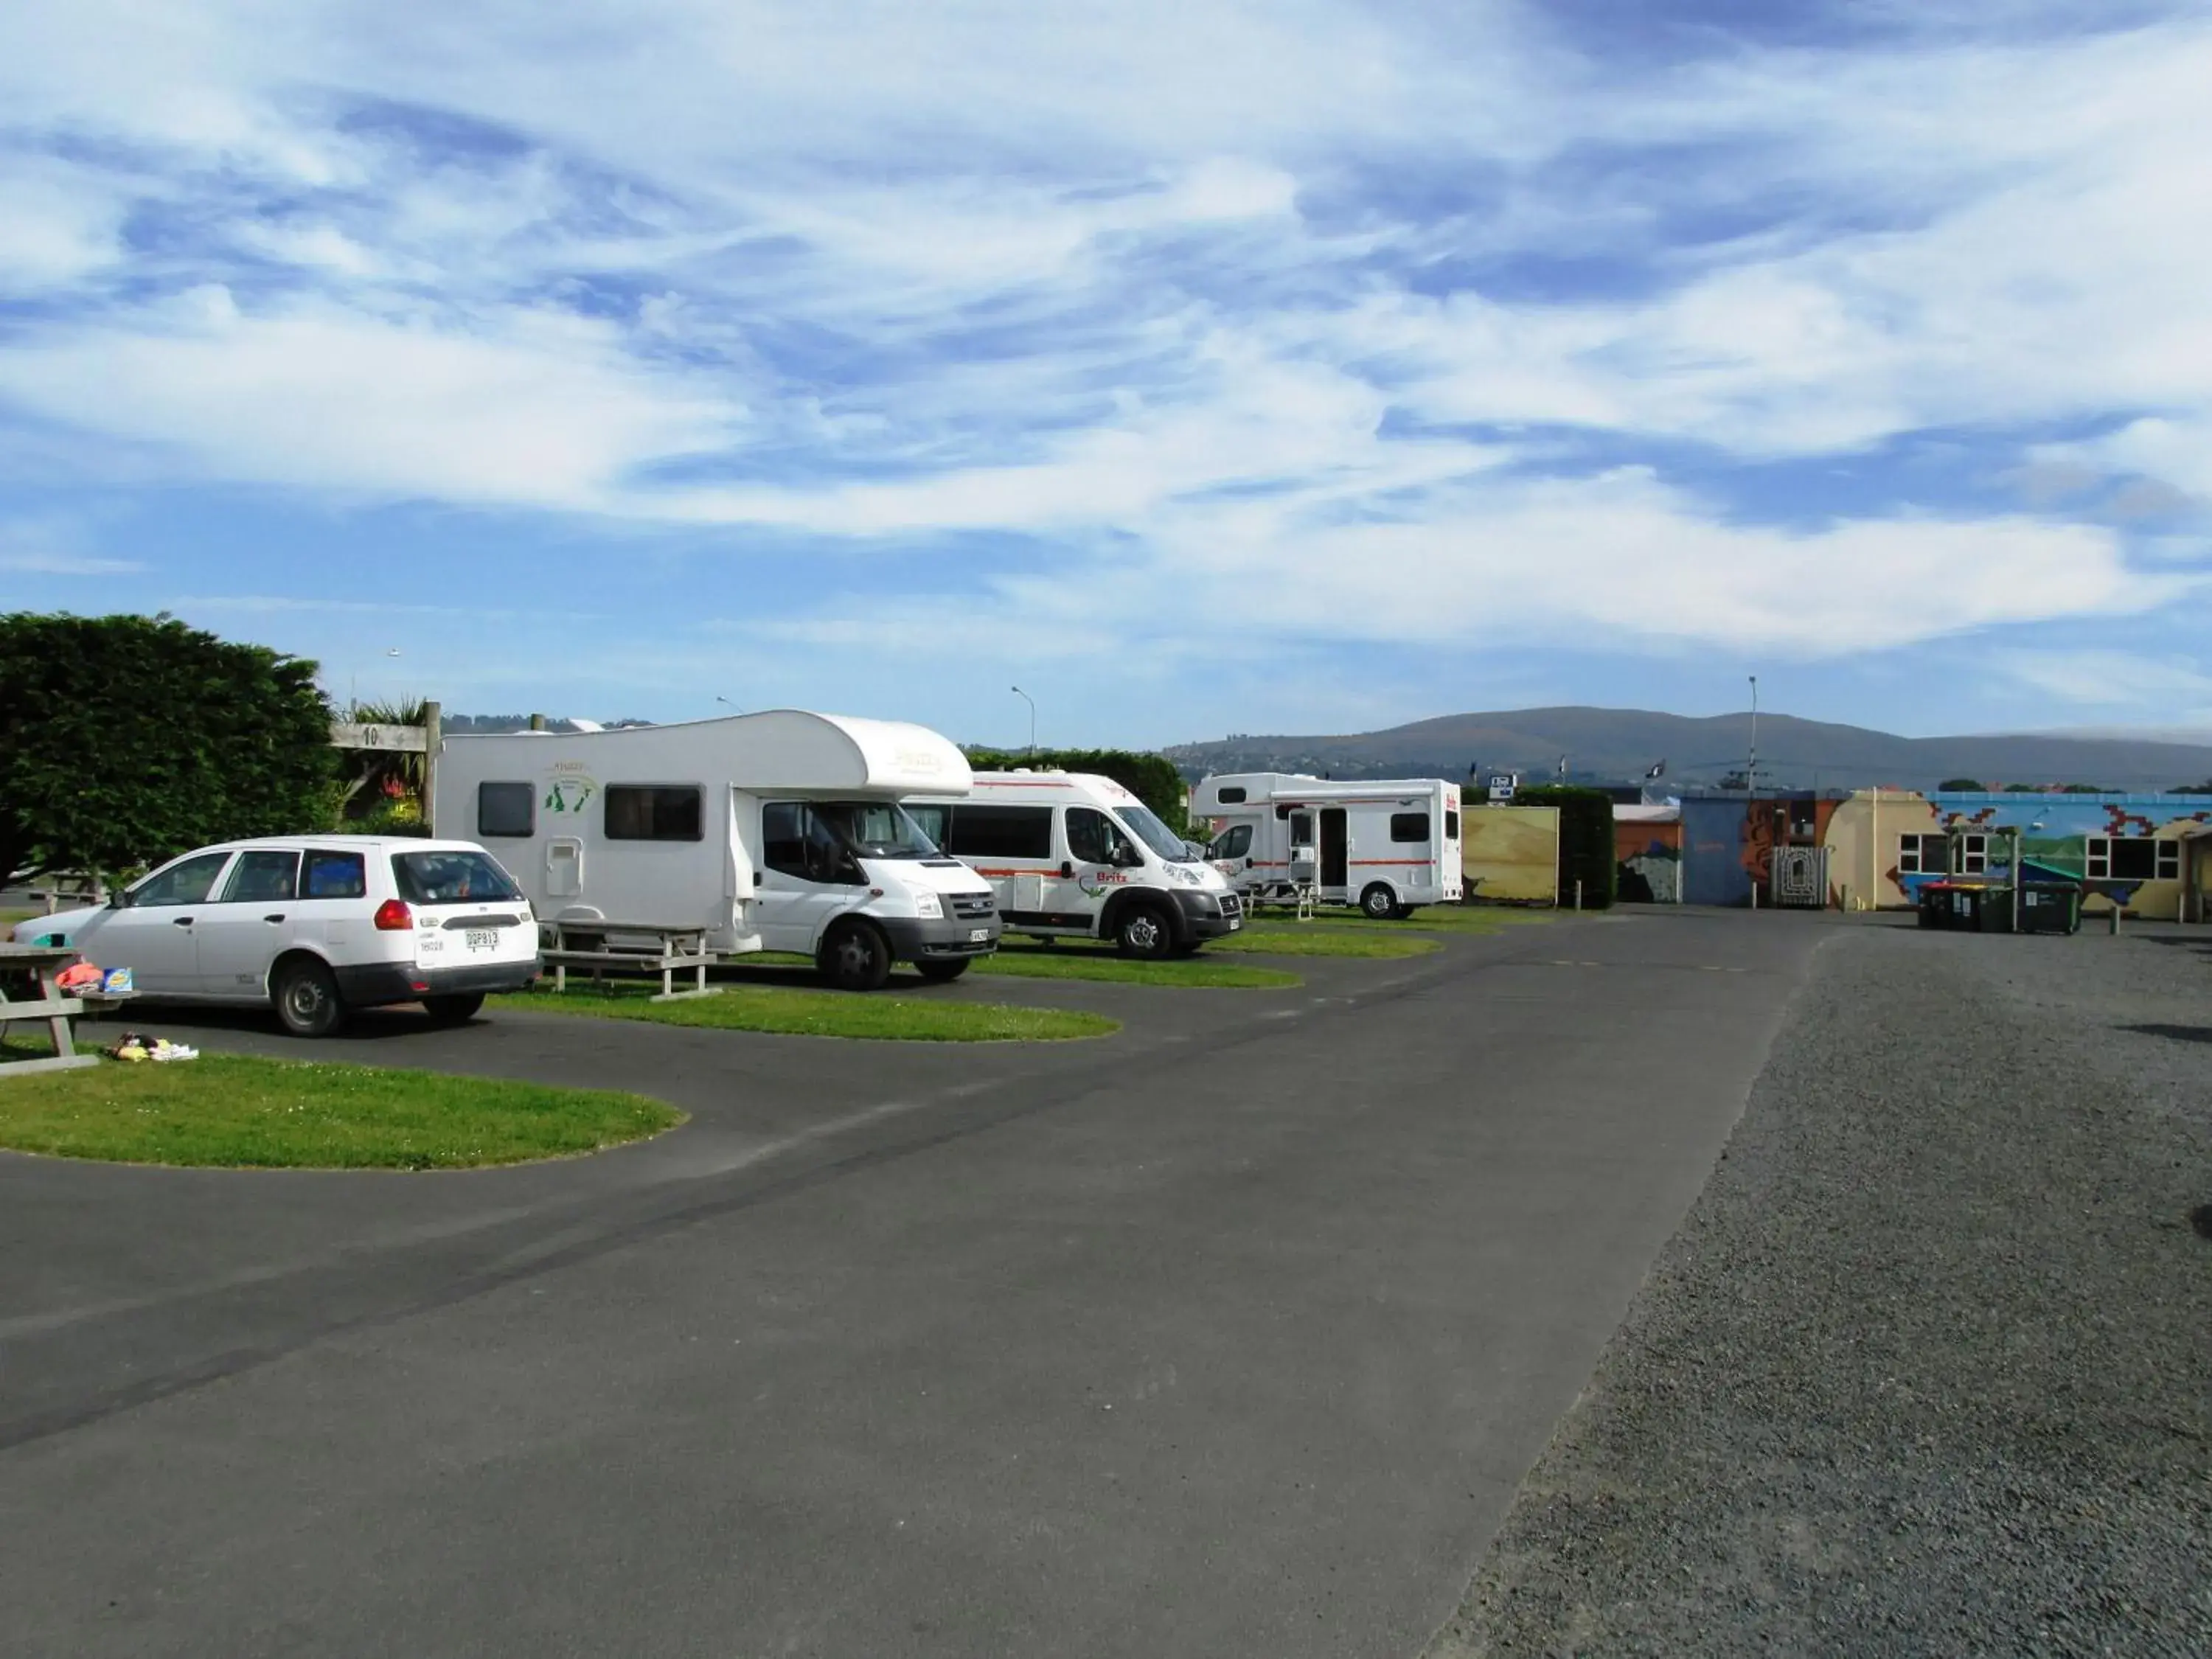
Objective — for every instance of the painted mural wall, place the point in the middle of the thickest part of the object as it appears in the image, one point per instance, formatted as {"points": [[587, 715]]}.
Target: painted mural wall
{"points": [[1884, 846], [2122, 850], [1649, 855], [1511, 853]]}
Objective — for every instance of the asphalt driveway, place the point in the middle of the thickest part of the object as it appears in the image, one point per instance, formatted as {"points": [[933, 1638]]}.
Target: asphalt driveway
{"points": [[1230, 1334]]}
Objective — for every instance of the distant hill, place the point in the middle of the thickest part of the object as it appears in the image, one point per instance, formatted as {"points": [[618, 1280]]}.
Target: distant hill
{"points": [[1620, 745]]}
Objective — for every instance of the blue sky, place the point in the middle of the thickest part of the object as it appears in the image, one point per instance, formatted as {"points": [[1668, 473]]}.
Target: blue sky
{"points": [[1290, 366]]}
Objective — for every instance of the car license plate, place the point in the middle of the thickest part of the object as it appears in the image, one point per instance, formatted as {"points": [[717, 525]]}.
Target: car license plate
{"points": [[1235, 922], [979, 935], [483, 938]]}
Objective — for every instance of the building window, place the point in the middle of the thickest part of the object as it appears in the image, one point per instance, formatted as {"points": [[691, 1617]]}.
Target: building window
{"points": [[1923, 855], [645, 812], [2133, 858], [506, 809], [1406, 828], [1974, 855]]}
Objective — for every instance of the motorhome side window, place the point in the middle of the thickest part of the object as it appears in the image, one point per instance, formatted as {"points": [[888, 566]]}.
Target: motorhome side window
{"points": [[997, 832], [638, 812], [1232, 794], [1408, 827], [506, 809], [1452, 826], [1092, 837]]}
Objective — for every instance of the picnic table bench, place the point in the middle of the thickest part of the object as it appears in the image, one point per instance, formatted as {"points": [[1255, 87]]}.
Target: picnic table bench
{"points": [[44, 963], [668, 951]]}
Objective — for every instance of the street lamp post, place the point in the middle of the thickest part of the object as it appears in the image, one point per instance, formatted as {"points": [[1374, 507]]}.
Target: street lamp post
{"points": [[1031, 752], [1750, 765]]}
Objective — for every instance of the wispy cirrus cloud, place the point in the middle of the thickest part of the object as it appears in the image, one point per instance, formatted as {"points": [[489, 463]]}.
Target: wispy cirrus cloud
{"points": [[1284, 308]]}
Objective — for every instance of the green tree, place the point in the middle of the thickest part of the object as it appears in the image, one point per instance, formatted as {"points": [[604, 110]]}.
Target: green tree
{"points": [[1961, 787], [1152, 778], [125, 740], [1586, 843]]}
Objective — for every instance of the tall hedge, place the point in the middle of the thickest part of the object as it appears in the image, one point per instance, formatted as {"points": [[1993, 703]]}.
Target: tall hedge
{"points": [[1152, 778], [125, 740], [1586, 845]]}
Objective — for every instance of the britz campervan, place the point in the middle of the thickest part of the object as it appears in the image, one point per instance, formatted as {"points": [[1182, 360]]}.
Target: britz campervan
{"points": [[1386, 845], [1074, 854], [777, 831]]}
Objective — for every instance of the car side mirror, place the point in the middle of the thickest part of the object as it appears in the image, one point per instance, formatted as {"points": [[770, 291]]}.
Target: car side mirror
{"points": [[1128, 858]]}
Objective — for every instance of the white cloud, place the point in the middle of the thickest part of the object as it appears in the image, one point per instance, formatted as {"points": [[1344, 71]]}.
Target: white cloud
{"points": [[2172, 686], [914, 272], [546, 410]]}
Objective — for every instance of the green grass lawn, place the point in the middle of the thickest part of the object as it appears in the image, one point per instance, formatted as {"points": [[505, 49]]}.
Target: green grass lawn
{"points": [[1082, 960], [1305, 938], [237, 1112], [819, 1013]]}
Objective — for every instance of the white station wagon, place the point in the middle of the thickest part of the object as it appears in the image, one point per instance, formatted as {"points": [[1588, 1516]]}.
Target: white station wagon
{"points": [[314, 925]]}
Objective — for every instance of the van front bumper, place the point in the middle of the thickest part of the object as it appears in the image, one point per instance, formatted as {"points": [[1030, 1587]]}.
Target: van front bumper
{"points": [[1210, 915], [946, 939], [372, 984]]}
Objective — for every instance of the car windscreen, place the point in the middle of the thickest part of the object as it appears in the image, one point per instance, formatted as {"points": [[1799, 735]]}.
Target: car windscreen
{"points": [[875, 829], [1147, 828], [451, 877]]}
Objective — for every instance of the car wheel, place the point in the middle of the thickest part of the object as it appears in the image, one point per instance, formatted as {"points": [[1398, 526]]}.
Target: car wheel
{"points": [[455, 1009], [1144, 930], [854, 957], [942, 973], [1379, 903], [306, 998]]}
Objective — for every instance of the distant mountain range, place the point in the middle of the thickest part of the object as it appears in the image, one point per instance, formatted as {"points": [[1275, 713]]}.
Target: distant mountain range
{"points": [[1614, 745]]}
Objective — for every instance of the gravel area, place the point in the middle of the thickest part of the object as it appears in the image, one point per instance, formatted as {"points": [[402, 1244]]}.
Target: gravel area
{"points": [[1928, 1368]]}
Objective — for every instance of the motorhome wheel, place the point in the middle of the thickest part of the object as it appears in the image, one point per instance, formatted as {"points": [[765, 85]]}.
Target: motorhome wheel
{"points": [[942, 973], [854, 957], [1144, 930], [1379, 902], [454, 1010]]}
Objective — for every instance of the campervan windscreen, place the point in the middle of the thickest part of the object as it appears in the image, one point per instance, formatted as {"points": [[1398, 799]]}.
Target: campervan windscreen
{"points": [[875, 829], [1155, 834]]}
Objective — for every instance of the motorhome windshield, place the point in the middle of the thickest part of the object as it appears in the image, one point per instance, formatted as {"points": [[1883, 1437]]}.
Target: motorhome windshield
{"points": [[1155, 834], [875, 829]]}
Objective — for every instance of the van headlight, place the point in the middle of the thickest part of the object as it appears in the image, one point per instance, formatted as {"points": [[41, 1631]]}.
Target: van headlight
{"points": [[928, 905]]}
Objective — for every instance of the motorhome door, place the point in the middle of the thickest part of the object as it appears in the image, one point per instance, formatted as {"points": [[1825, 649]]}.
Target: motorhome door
{"points": [[1334, 846]]}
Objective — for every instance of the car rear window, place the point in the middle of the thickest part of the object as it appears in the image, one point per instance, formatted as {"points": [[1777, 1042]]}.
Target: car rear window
{"points": [[450, 878]]}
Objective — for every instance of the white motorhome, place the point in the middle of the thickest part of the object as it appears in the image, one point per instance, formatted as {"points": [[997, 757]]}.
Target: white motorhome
{"points": [[1386, 845], [1072, 853], [776, 831]]}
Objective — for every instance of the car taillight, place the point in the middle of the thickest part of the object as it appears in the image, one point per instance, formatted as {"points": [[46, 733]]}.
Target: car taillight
{"points": [[392, 916]]}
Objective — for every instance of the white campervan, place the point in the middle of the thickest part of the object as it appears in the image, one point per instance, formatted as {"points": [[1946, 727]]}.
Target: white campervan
{"points": [[777, 831], [1073, 853], [1386, 845]]}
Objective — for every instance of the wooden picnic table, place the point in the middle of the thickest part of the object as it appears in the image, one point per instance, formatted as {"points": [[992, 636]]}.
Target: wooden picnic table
{"points": [[673, 950], [44, 963]]}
